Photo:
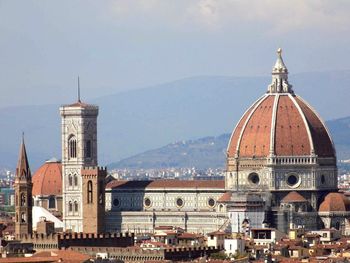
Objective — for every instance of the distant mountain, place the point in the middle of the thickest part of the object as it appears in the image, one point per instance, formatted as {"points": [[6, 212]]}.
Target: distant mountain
{"points": [[210, 151], [139, 120]]}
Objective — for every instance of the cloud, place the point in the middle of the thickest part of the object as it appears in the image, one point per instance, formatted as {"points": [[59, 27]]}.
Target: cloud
{"points": [[277, 16]]}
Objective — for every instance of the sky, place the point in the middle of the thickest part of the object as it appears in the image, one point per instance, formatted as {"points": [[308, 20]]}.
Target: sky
{"points": [[116, 46]]}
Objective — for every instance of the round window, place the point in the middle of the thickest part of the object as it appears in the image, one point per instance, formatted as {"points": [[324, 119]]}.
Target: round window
{"points": [[179, 202], [254, 178], [147, 202], [211, 202], [323, 179], [116, 202], [292, 180]]}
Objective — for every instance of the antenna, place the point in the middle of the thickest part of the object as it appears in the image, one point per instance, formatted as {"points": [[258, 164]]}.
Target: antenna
{"points": [[79, 90]]}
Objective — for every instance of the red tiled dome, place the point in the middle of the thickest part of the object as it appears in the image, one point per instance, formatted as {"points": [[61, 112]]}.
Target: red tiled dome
{"points": [[335, 202], [280, 123], [47, 180], [293, 197]]}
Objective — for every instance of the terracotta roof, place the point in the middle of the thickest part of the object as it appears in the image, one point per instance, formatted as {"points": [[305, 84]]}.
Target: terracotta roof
{"points": [[322, 142], [293, 121], [335, 202], [29, 260], [47, 180], [225, 197], [63, 255], [293, 197], [79, 104], [217, 233], [188, 236], [214, 184]]}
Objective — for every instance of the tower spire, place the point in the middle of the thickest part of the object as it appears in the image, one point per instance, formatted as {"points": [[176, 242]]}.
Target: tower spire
{"points": [[280, 76], [79, 90], [23, 164], [23, 194]]}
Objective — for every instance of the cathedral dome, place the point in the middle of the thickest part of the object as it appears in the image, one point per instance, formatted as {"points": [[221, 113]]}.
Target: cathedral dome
{"points": [[335, 202], [47, 180], [280, 123]]}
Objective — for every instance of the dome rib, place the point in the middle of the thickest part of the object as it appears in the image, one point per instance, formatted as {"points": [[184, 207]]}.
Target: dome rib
{"points": [[312, 149], [239, 128], [273, 125], [320, 132], [255, 137], [238, 146]]}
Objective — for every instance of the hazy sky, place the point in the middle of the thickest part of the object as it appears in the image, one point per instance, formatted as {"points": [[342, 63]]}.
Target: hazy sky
{"points": [[120, 45]]}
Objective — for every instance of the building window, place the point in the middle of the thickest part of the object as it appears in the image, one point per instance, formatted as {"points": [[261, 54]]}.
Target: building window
{"points": [[179, 202], [253, 178], [89, 192], [116, 202], [70, 206], [70, 180], [293, 180], [23, 217], [211, 202], [323, 179], [72, 147], [76, 207], [100, 198], [75, 180], [88, 149], [23, 199], [147, 202], [52, 202]]}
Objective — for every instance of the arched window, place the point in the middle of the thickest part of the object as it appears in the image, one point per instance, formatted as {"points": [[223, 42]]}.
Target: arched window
{"points": [[72, 147], [16, 217], [89, 192], [88, 149], [23, 199], [70, 206], [52, 202], [101, 201], [70, 180], [23, 217], [76, 207], [75, 180]]}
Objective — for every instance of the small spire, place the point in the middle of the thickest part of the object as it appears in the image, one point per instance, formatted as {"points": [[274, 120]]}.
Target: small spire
{"points": [[23, 164], [79, 90], [280, 76]]}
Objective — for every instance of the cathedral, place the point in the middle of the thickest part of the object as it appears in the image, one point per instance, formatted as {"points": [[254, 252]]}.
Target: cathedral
{"points": [[280, 166]]}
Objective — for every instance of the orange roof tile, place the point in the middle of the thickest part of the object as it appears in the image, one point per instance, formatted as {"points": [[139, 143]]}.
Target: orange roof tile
{"points": [[293, 197], [168, 183], [335, 202], [225, 197], [294, 120], [47, 180]]}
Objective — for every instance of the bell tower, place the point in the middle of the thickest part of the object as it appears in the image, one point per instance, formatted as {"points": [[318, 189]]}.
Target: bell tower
{"points": [[94, 199], [79, 150], [23, 194]]}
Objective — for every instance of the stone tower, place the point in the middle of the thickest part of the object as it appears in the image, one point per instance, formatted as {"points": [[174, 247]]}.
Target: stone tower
{"points": [[23, 194], [79, 150], [93, 199]]}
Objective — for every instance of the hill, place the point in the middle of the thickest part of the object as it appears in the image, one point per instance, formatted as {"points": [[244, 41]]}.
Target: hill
{"points": [[139, 120], [210, 151]]}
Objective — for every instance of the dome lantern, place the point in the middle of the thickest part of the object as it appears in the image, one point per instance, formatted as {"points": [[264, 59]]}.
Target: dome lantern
{"points": [[280, 77]]}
